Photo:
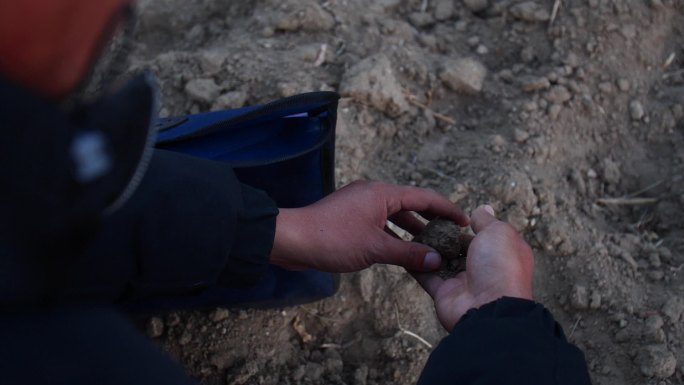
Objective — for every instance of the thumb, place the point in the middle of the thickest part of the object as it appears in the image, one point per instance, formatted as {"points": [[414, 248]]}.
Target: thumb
{"points": [[482, 217], [411, 255]]}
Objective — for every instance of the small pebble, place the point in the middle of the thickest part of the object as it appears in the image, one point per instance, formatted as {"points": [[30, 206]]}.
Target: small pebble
{"points": [[636, 110], [155, 327], [579, 297], [558, 95], [476, 5], [623, 85]]}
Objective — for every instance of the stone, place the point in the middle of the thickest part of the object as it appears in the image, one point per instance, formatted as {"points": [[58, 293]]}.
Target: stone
{"points": [[530, 11], [473, 41], [656, 361], [460, 192], [606, 88], [595, 300], [476, 5], [212, 61], [653, 328], [461, 25], [623, 85], [219, 315], [558, 95], [421, 19], [366, 284], [333, 362], [372, 81], [304, 15], [636, 110], [155, 327], [674, 309], [222, 361], [444, 9], [520, 136], [611, 171], [465, 75], [185, 338], [203, 90], [314, 371], [656, 4], [579, 297], [531, 83], [230, 100], [554, 111], [361, 375]]}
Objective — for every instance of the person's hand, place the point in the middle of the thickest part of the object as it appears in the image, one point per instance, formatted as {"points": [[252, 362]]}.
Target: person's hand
{"points": [[500, 264], [345, 231]]}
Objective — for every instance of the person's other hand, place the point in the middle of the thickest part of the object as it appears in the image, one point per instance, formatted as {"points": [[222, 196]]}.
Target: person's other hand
{"points": [[500, 264], [345, 231]]}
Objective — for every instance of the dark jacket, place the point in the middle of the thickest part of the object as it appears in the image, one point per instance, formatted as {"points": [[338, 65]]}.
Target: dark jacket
{"points": [[509, 341], [189, 225]]}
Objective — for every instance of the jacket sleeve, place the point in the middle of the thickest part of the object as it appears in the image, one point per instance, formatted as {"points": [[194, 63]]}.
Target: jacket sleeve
{"points": [[190, 225], [508, 341]]}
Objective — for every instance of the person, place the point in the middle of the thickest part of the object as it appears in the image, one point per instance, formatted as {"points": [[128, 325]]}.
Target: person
{"points": [[93, 217]]}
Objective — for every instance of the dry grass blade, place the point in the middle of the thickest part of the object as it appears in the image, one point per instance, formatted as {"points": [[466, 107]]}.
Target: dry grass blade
{"points": [[626, 201], [408, 332], [320, 59], [670, 59], [632, 199], [413, 100], [574, 327], [417, 337], [554, 12]]}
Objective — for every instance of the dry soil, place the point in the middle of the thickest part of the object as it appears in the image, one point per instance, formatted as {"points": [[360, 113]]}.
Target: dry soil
{"points": [[567, 116]]}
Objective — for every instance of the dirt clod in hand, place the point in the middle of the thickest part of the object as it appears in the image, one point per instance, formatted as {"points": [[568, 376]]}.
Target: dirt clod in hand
{"points": [[450, 242]]}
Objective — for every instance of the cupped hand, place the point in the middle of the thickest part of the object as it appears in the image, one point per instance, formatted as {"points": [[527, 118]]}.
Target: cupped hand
{"points": [[345, 231], [500, 263]]}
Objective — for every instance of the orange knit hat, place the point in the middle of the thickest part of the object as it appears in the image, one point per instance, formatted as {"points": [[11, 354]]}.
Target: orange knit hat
{"points": [[50, 45]]}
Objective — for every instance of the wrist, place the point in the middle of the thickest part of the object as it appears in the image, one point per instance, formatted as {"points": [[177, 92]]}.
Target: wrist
{"points": [[287, 252]]}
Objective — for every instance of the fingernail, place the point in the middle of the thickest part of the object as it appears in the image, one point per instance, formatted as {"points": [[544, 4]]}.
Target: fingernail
{"points": [[432, 261], [489, 209]]}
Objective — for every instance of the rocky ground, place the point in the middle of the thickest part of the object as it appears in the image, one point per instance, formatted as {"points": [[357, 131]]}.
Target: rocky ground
{"points": [[567, 116]]}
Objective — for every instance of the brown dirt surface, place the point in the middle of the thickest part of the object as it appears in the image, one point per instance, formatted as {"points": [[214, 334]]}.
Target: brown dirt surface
{"points": [[569, 123]]}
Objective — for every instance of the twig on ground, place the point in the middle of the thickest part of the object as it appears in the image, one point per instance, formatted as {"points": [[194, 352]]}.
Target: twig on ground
{"points": [[439, 173], [574, 327], [320, 59], [626, 201], [647, 188], [670, 59], [554, 12], [330, 346], [417, 337], [632, 199], [413, 100], [408, 332]]}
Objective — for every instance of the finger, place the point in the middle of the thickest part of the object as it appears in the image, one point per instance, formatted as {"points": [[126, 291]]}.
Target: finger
{"points": [[411, 255], [390, 232], [430, 282], [408, 222], [427, 202], [483, 216]]}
